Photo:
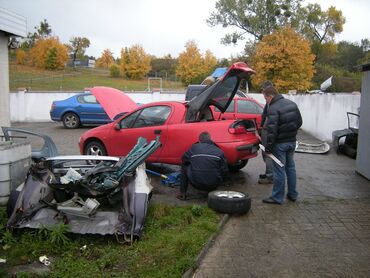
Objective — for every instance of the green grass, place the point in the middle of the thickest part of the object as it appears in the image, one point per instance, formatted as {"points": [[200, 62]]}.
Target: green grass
{"points": [[77, 79], [172, 238]]}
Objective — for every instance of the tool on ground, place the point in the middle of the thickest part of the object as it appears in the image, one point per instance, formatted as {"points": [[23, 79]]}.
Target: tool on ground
{"points": [[274, 158], [170, 179]]}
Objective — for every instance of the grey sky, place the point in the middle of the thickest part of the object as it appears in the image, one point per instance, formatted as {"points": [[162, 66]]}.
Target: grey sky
{"points": [[161, 26]]}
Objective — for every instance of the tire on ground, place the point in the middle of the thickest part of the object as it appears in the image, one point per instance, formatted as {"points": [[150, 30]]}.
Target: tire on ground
{"points": [[231, 202]]}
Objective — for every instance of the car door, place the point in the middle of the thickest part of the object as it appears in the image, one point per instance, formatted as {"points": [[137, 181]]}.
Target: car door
{"points": [[90, 111], [148, 122]]}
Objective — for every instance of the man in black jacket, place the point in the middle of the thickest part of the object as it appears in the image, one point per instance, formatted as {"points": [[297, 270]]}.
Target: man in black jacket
{"points": [[204, 165], [283, 121]]}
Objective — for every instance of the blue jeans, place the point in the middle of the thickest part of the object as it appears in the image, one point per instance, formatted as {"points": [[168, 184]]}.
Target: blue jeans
{"points": [[285, 153]]}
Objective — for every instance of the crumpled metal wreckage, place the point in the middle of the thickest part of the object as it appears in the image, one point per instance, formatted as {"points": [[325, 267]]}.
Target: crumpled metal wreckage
{"points": [[110, 197]]}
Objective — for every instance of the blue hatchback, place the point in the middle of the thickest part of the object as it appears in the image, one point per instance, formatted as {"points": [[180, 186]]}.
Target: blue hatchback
{"points": [[77, 110]]}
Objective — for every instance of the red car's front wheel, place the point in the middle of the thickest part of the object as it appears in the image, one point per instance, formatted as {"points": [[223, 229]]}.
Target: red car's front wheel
{"points": [[95, 148]]}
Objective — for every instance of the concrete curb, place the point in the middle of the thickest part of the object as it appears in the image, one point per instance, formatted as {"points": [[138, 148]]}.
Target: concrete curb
{"points": [[190, 272]]}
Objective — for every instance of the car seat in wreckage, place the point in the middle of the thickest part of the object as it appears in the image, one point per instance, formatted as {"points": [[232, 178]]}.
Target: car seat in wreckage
{"points": [[42, 201]]}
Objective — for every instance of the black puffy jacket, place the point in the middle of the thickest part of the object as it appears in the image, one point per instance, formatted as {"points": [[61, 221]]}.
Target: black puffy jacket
{"points": [[283, 122], [208, 164]]}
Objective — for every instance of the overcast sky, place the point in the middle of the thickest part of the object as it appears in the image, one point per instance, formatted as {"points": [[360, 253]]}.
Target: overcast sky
{"points": [[161, 26]]}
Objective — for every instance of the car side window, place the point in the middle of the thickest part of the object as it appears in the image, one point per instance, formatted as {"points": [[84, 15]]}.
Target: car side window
{"points": [[152, 116], [249, 107], [128, 121], [229, 109], [91, 99]]}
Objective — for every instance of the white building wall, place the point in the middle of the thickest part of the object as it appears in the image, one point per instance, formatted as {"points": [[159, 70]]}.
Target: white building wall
{"points": [[322, 114]]}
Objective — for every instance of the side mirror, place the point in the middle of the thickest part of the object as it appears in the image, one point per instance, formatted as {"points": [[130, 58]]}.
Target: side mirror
{"points": [[117, 126]]}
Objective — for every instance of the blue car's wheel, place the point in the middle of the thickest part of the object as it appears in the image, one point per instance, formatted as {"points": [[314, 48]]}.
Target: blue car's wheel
{"points": [[71, 120]]}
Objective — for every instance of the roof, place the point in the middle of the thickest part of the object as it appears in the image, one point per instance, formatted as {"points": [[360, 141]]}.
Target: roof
{"points": [[12, 23]]}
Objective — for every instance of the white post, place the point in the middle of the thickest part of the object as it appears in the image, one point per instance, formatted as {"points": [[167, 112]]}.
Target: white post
{"points": [[4, 81]]}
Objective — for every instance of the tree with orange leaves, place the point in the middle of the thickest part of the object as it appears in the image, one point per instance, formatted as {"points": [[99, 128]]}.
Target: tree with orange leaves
{"points": [[192, 66], [285, 58], [48, 53], [106, 59]]}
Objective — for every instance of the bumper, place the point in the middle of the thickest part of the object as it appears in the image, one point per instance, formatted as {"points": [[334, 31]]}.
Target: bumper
{"points": [[235, 152]]}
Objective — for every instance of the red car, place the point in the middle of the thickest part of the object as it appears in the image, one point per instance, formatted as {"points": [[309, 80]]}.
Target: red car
{"points": [[179, 124], [241, 108]]}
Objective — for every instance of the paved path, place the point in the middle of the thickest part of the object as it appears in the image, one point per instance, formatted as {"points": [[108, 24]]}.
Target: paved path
{"points": [[326, 233]]}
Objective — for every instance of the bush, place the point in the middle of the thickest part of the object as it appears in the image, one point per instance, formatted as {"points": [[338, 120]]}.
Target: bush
{"points": [[114, 70]]}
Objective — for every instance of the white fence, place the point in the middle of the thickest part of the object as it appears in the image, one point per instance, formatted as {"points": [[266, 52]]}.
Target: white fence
{"points": [[321, 113]]}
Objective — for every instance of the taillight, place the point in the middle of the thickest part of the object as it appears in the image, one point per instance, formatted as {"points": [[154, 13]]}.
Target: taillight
{"points": [[52, 107], [242, 126], [237, 129]]}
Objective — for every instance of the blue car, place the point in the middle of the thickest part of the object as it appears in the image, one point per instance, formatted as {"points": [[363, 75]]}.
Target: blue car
{"points": [[100, 105], [77, 110]]}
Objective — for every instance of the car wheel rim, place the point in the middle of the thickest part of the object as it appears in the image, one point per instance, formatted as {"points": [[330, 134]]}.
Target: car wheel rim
{"points": [[93, 150], [71, 121], [229, 194]]}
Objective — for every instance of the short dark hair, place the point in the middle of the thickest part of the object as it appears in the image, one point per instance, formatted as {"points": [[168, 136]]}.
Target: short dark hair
{"points": [[270, 91], [204, 136], [265, 84]]}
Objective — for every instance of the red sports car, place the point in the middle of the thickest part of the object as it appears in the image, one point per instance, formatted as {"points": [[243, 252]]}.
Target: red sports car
{"points": [[179, 124], [241, 108]]}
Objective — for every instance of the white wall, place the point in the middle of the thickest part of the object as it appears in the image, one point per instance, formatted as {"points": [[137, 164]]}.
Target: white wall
{"points": [[322, 114]]}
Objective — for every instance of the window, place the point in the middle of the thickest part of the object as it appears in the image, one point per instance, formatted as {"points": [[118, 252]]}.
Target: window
{"points": [[151, 116], [230, 108], [249, 107], [128, 121], [87, 99]]}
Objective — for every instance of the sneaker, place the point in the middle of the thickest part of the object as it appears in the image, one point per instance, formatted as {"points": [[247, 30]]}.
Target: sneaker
{"points": [[270, 201], [290, 198], [265, 180]]}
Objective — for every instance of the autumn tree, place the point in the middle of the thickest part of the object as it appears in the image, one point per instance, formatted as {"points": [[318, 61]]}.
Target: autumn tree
{"points": [[43, 31], [20, 56], [209, 62], [78, 46], [48, 54], [285, 58], [320, 27], [106, 59], [135, 63], [253, 17], [192, 66]]}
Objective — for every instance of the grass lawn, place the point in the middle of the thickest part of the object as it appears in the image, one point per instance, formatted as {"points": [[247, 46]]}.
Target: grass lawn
{"points": [[172, 238], [77, 79]]}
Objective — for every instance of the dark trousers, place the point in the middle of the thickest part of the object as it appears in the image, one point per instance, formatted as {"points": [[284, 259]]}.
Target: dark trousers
{"points": [[184, 180]]}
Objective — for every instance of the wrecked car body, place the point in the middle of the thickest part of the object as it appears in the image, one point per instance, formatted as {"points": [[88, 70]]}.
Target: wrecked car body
{"points": [[91, 194]]}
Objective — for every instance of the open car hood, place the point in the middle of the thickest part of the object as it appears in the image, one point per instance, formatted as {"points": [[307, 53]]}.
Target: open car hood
{"points": [[220, 93], [113, 101]]}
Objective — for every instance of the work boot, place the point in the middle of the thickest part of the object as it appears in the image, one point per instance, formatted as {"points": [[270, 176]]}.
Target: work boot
{"points": [[265, 180]]}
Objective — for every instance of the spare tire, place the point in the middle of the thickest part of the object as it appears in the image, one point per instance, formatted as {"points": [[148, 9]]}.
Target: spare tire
{"points": [[229, 202]]}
